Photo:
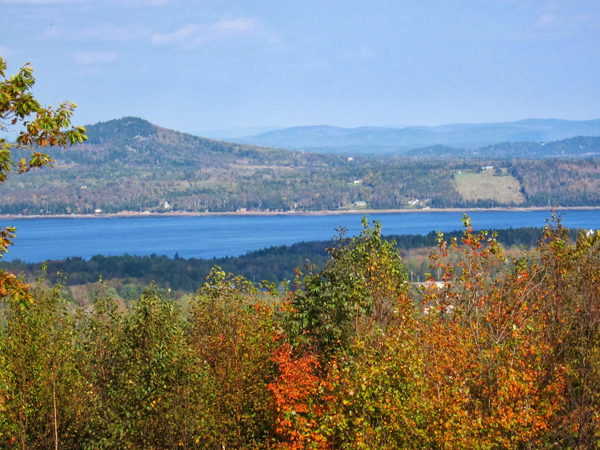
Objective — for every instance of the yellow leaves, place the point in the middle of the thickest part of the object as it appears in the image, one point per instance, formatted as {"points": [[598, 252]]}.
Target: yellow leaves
{"points": [[14, 290], [484, 365]]}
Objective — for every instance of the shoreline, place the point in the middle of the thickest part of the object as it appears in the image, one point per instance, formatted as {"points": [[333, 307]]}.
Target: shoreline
{"points": [[293, 213]]}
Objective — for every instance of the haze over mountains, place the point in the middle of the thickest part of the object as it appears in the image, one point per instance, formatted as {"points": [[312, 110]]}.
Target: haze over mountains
{"points": [[387, 140], [576, 147], [235, 133]]}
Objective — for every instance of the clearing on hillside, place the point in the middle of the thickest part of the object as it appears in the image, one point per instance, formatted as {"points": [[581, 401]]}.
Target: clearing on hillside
{"points": [[485, 186]]}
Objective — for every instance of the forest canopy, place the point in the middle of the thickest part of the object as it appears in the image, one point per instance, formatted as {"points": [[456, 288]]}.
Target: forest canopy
{"points": [[501, 353]]}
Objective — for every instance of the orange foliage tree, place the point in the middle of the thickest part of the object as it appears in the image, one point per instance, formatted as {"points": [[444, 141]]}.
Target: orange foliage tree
{"points": [[493, 375]]}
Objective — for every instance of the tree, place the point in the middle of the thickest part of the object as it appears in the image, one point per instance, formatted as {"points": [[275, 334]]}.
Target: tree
{"points": [[490, 357], [352, 295], [233, 336], [37, 127]]}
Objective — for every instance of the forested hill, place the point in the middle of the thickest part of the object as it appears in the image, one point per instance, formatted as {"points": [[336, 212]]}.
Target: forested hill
{"points": [[134, 142], [131, 165]]}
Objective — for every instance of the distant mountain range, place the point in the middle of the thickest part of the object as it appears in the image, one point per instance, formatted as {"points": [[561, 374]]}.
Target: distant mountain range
{"points": [[381, 140], [577, 147]]}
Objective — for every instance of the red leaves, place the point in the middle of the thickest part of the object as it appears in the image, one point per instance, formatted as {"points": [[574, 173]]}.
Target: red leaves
{"points": [[297, 392]]}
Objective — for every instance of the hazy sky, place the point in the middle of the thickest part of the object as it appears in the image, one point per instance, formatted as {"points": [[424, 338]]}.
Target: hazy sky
{"points": [[199, 65]]}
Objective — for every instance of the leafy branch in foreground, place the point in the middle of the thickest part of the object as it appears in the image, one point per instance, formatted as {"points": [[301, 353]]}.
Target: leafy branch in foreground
{"points": [[38, 127]]}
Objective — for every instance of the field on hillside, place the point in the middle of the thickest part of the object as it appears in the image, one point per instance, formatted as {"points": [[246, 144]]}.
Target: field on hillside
{"points": [[486, 185], [131, 165]]}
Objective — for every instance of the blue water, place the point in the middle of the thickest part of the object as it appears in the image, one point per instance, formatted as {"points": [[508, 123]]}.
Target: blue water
{"points": [[216, 236]]}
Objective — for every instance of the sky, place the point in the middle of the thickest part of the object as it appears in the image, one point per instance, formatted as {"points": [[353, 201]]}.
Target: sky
{"points": [[195, 65]]}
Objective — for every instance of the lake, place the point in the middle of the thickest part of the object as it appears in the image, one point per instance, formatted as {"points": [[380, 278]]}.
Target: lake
{"points": [[217, 236]]}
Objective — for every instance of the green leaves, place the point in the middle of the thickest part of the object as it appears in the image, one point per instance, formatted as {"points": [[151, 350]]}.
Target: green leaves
{"points": [[47, 128], [6, 236], [355, 291]]}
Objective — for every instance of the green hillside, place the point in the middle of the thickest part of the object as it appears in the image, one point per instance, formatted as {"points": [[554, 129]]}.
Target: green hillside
{"points": [[131, 165]]}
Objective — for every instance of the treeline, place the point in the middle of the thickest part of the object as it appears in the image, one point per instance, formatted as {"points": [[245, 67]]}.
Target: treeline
{"points": [[502, 354], [73, 188], [381, 184], [554, 182], [273, 264]]}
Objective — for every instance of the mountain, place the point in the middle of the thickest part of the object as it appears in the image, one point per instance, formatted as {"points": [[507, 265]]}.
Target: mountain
{"points": [[380, 140], [577, 147], [130, 164], [137, 142], [330, 139]]}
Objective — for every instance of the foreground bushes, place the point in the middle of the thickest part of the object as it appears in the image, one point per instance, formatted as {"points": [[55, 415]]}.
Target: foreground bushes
{"points": [[503, 354]]}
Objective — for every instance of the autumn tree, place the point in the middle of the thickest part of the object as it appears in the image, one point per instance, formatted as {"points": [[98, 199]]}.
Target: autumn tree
{"points": [[232, 335], [42, 390], [572, 286], [492, 375], [348, 364], [35, 127]]}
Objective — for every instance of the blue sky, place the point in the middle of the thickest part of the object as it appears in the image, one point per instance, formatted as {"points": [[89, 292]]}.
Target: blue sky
{"points": [[196, 65]]}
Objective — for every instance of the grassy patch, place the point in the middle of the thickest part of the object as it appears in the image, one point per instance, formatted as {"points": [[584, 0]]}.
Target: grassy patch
{"points": [[504, 188]]}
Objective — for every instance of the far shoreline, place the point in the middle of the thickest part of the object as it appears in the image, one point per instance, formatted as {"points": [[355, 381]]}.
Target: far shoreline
{"points": [[129, 214]]}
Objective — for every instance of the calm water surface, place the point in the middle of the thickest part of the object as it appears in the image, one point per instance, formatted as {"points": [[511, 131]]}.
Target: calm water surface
{"points": [[217, 236]]}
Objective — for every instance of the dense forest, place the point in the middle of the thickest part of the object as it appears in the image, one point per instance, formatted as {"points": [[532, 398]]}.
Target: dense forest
{"points": [[501, 353], [134, 166]]}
